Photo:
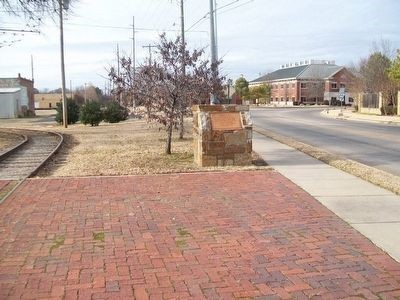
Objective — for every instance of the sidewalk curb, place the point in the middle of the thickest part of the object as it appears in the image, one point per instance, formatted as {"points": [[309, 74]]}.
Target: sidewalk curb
{"points": [[375, 176], [326, 114]]}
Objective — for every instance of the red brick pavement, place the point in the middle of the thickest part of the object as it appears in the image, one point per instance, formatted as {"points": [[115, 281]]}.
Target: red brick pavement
{"points": [[3, 184], [206, 235]]}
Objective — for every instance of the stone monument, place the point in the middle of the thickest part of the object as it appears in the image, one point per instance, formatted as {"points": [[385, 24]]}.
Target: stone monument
{"points": [[222, 135]]}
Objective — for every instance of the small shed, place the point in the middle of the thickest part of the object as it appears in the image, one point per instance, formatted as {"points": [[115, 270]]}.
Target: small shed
{"points": [[10, 102]]}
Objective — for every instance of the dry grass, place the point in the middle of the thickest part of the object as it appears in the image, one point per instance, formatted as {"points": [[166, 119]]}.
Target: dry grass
{"points": [[8, 140], [132, 147]]}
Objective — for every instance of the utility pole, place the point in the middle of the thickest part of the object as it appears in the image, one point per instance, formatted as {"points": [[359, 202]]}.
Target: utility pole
{"points": [[212, 32], [149, 47], [133, 44], [213, 98], [64, 102], [215, 29], [33, 80], [133, 59], [183, 30], [118, 72], [84, 93], [118, 60], [181, 129]]}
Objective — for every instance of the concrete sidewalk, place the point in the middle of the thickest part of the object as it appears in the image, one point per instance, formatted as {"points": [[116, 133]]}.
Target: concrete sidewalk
{"points": [[348, 114], [371, 210]]}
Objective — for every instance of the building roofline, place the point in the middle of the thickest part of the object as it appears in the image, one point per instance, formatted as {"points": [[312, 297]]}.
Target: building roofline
{"points": [[298, 75], [9, 90], [334, 73]]}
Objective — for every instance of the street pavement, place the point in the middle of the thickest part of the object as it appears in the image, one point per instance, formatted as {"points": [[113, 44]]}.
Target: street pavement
{"points": [[215, 235], [375, 145], [371, 210]]}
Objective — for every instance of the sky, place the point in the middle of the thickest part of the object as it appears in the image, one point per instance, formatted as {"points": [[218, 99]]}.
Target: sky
{"points": [[254, 36]]}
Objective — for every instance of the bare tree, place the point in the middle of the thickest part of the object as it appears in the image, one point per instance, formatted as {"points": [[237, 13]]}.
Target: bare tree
{"points": [[163, 89], [316, 89], [33, 9], [371, 75], [385, 47], [374, 73], [33, 12]]}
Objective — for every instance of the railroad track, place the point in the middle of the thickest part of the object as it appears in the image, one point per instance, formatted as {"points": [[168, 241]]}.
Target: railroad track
{"points": [[25, 160]]}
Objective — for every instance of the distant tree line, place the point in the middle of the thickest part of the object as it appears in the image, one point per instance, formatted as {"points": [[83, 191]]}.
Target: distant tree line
{"points": [[379, 72], [260, 94]]}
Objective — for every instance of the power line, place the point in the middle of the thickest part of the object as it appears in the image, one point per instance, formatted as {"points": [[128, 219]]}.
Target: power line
{"points": [[216, 9], [19, 30], [128, 28], [236, 6]]}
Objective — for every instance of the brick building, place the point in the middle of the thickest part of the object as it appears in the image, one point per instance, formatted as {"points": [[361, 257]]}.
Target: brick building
{"points": [[26, 102], [307, 82], [47, 101]]}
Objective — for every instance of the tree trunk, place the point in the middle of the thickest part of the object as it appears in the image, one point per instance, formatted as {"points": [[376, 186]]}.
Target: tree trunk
{"points": [[169, 139], [148, 113], [181, 127]]}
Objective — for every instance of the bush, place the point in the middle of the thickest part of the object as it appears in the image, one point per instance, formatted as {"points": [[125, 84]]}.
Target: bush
{"points": [[72, 112], [388, 110], [115, 113], [91, 113]]}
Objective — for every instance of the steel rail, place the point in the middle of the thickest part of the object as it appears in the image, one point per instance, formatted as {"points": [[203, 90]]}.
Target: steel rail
{"points": [[40, 164]]}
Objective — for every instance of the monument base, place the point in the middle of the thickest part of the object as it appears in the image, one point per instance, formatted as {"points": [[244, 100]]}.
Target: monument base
{"points": [[222, 135]]}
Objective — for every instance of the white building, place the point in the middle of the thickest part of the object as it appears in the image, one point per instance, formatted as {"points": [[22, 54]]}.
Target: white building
{"points": [[10, 103]]}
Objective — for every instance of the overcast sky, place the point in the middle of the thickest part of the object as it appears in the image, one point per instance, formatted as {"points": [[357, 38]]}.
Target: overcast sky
{"points": [[254, 36]]}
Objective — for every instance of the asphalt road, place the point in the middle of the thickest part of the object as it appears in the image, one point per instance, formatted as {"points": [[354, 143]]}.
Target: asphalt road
{"points": [[376, 145]]}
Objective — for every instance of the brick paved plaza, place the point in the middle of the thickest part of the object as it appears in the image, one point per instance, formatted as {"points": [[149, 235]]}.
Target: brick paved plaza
{"points": [[205, 235]]}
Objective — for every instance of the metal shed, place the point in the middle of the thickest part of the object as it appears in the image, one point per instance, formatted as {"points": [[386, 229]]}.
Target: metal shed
{"points": [[10, 102]]}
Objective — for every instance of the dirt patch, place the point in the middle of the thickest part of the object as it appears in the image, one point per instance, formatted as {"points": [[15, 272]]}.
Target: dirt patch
{"points": [[378, 177], [9, 140]]}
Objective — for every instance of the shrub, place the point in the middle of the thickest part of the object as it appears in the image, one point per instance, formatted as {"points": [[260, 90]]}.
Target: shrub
{"points": [[91, 113], [115, 113], [72, 112], [388, 110]]}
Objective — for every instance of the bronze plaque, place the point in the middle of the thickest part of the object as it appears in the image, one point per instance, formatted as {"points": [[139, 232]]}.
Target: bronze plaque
{"points": [[226, 121]]}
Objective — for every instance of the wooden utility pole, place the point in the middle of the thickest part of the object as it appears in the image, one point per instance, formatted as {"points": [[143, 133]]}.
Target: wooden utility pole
{"points": [[133, 45], [133, 59], [118, 72], [33, 80], [181, 127], [64, 100], [149, 47]]}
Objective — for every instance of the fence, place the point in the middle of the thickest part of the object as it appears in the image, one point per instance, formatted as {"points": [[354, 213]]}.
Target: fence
{"points": [[371, 103]]}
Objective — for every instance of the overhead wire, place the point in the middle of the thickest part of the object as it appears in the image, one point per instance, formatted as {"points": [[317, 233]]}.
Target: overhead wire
{"points": [[208, 13], [124, 27], [232, 8]]}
